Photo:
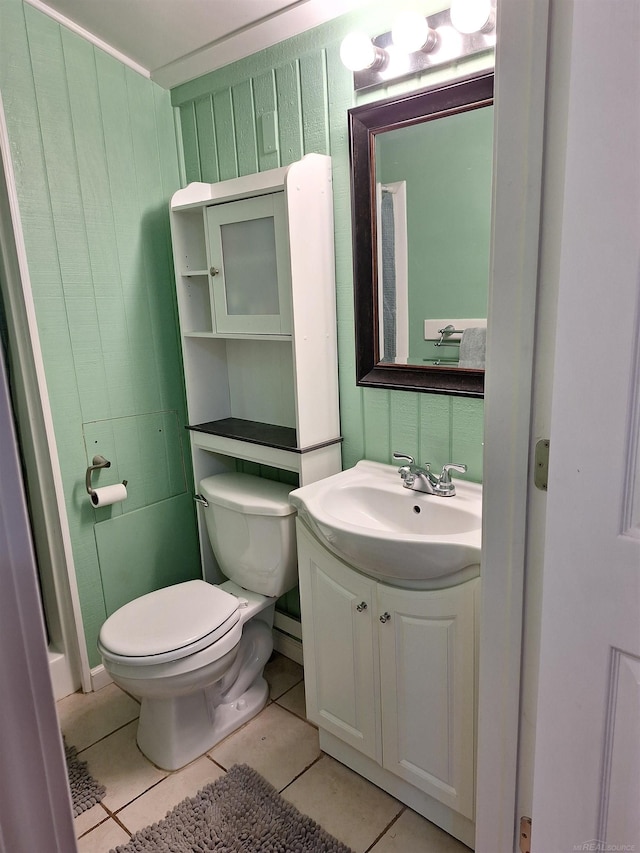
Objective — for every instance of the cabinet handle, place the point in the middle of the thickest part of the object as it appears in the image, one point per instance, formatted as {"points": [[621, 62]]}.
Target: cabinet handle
{"points": [[213, 271], [362, 606], [385, 617]]}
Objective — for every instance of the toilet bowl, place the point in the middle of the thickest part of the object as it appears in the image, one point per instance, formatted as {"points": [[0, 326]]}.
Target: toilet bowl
{"points": [[194, 653]]}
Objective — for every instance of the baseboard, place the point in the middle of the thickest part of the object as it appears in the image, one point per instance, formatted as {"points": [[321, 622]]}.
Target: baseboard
{"points": [[288, 624], [100, 678], [288, 646], [62, 679]]}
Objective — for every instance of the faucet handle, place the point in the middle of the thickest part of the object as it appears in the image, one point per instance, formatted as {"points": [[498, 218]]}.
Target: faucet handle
{"points": [[398, 456], [407, 472], [445, 477]]}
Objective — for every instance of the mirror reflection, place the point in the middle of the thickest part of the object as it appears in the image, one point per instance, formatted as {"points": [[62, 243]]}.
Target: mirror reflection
{"points": [[433, 192], [421, 196]]}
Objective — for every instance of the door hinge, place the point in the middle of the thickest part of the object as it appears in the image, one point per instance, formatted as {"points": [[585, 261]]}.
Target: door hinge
{"points": [[525, 835], [541, 464]]}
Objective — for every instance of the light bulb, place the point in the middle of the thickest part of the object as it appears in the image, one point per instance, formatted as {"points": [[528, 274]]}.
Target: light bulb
{"points": [[358, 52], [411, 32], [449, 44], [472, 16], [397, 65]]}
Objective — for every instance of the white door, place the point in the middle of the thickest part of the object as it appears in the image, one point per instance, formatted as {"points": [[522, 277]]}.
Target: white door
{"points": [[587, 759]]}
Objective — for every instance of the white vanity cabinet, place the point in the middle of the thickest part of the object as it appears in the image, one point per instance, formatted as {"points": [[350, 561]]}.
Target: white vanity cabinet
{"points": [[390, 675], [255, 283]]}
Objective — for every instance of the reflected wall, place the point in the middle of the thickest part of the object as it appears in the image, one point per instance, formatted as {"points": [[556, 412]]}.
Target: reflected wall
{"points": [[446, 165]]}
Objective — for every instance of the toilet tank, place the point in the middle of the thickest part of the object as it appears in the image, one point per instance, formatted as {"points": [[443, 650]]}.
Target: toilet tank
{"points": [[251, 527]]}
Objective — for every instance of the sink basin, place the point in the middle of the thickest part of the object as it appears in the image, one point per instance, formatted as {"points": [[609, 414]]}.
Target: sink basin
{"points": [[368, 519]]}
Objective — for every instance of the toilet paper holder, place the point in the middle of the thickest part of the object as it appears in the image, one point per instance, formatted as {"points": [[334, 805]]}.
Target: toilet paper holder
{"points": [[98, 462]]}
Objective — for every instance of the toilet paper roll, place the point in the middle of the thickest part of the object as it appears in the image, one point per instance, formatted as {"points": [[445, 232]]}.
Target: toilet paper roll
{"points": [[108, 495]]}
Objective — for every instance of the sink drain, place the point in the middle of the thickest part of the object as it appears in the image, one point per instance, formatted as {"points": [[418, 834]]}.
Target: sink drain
{"points": [[417, 509]]}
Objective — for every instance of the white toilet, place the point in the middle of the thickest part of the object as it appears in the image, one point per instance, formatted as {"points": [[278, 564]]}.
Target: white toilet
{"points": [[194, 652]]}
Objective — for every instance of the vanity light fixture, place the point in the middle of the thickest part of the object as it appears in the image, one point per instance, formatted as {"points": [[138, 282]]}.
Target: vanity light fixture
{"points": [[417, 44]]}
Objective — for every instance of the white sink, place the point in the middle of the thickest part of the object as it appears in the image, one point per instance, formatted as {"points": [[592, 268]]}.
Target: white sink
{"points": [[368, 519]]}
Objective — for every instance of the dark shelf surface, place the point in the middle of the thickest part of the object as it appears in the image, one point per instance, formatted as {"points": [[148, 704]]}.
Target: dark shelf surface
{"points": [[267, 435]]}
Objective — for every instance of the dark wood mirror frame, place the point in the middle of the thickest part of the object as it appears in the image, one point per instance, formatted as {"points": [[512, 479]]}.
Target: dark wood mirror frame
{"points": [[364, 123]]}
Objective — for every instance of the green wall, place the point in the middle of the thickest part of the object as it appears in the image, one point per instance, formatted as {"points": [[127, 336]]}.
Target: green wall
{"points": [[303, 81], [94, 153]]}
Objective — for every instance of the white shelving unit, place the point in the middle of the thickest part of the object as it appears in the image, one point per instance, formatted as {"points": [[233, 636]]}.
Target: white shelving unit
{"points": [[256, 299]]}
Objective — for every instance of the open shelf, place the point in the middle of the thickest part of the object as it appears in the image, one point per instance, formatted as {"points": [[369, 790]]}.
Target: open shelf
{"points": [[195, 304], [265, 435]]}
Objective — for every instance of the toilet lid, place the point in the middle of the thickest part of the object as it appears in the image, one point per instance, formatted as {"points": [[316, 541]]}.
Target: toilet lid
{"points": [[171, 622]]}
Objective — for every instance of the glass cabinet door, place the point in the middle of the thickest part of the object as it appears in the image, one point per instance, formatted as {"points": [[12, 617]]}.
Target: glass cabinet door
{"points": [[249, 266]]}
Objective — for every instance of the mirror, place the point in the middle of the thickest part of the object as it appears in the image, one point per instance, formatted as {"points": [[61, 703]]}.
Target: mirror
{"points": [[421, 218]]}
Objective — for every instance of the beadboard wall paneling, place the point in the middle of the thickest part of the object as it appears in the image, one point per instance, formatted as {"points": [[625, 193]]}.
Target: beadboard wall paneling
{"points": [[305, 83], [145, 450], [123, 543], [94, 153]]}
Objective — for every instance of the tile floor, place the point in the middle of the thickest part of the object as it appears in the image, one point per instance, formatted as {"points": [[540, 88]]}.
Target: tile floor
{"points": [[279, 743]]}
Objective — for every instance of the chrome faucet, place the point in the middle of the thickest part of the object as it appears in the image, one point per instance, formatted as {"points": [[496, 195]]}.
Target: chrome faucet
{"points": [[422, 479]]}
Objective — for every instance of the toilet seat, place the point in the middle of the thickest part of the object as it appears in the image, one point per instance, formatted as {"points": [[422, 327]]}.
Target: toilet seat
{"points": [[168, 624]]}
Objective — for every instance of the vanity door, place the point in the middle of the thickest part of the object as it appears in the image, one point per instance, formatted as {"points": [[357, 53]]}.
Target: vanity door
{"points": [[249, 266], [427, 665], [340, 647]]}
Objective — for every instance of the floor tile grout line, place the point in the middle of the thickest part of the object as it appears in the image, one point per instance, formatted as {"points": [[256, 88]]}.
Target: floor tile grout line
{"points": [[122, 826], [387, 828], [293, 713], [169, 773], [114, 812], [302, 772], [217, 763], [111, 815], [286, 690], [104, 737], [106, 817]]}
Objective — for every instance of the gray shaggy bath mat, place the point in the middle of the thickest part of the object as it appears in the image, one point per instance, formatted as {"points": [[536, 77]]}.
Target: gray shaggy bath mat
{"points": [[238, 813], [85, 791]]}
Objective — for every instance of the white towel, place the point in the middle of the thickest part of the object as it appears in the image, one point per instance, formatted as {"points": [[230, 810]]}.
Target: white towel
{"points": [[473, 345]]}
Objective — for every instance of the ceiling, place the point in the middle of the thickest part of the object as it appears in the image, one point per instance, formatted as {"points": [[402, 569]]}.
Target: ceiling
{"points": [[173, 41]]}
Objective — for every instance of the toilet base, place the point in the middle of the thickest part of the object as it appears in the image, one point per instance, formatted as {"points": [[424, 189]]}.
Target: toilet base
{"points": [[175, 729], [173, 732]]}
